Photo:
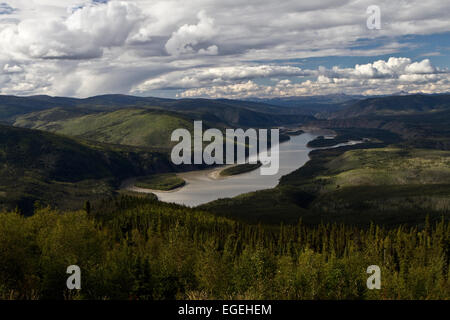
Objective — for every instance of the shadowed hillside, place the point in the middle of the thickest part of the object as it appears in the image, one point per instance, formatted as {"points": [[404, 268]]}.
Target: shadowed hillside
{"points": [[36, 165], [395, 105]]}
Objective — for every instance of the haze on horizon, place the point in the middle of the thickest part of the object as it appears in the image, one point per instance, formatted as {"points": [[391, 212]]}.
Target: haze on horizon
{"points": [[222, 49]]}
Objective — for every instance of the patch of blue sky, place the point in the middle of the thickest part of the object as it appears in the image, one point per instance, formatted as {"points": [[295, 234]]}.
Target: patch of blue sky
{"points": [[435, 47], [6, 8]]}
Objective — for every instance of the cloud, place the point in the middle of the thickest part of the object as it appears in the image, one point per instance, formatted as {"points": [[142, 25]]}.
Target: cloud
{"points": [[187, 37], [86, 47], [197, 77], [12, 69], [211, 50], [84, 34], [392, 68], [6, 8], [380, 77]]}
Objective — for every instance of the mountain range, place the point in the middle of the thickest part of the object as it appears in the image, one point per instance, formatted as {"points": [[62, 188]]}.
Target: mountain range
{"points": [[62, 151]]}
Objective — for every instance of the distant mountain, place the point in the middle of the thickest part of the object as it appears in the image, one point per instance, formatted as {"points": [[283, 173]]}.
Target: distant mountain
{"points": [[319, 99], [237, 113], [394, 105], [11, 106], [318, 106], [234, 112]]}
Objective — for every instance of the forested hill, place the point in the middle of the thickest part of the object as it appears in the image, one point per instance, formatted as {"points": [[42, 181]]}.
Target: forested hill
{"points": [[421, 120], [36, 165], [395, 105]]}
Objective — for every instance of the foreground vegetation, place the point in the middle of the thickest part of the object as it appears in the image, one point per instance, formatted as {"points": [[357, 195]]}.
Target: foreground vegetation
{"points": [[137, 248], [164, 182]]}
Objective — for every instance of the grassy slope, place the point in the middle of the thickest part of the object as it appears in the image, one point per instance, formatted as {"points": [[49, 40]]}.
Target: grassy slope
{"points": [[48, 119], [134, 127], [388, 185], [389, 166]]}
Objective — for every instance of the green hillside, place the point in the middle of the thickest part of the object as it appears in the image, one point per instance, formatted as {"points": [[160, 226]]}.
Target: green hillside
{"points": [[388, 166], [134, 127], [411, 124], [47, 118], [56, 170], [11, 106]]}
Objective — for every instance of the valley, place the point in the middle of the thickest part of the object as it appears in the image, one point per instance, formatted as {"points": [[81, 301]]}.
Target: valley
{"points": [[94, 144], [375, 190]]}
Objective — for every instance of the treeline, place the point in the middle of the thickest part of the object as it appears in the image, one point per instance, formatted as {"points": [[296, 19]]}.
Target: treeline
{"points": [[139, 248]]}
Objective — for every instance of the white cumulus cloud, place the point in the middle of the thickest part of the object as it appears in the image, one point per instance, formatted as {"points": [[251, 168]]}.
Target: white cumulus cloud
{"points": [[83, 34], [380, 77], [187, 37]]}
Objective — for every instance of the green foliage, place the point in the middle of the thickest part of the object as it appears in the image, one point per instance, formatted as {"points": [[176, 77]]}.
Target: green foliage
{"points": [[136, 248]]}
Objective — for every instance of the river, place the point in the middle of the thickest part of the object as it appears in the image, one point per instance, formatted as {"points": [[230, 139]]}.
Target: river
{"points": [[204, 185]]}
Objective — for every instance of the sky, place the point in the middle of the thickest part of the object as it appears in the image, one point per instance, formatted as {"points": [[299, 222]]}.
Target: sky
{"points": [[224, 48]]}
